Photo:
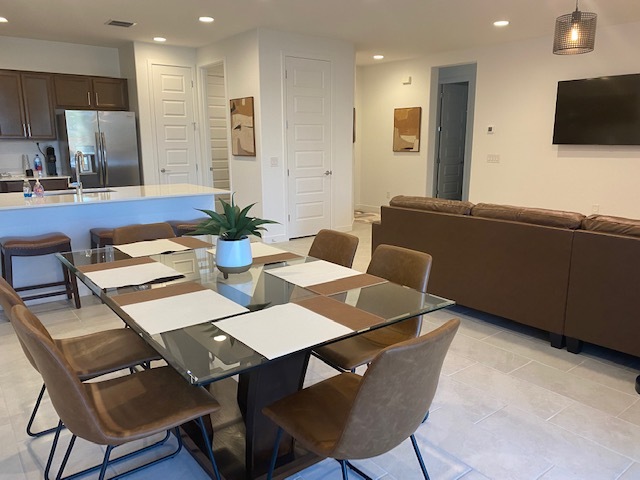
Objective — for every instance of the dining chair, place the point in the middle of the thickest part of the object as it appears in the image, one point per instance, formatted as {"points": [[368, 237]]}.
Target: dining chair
{"points": [[396, 264], [334, 247], [353, 417], [89, 355], [142, 232], [115, 411]]}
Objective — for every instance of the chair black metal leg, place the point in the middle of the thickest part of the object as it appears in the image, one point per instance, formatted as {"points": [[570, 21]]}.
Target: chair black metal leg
{"points": [[274, 455], [52, 452], [426, 416], [33, 417], [105, 462], [419, 455], [207, 443], [345, 473], [357, 470], [66, 457]]}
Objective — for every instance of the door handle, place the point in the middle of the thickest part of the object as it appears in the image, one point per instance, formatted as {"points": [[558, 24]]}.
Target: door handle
{"points": [[164, 170], [105, 159], [99, 160], [328, 172]]}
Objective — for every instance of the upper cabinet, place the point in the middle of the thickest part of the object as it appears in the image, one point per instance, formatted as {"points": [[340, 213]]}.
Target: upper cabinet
{"points": [[90, 93], [26, 105]]}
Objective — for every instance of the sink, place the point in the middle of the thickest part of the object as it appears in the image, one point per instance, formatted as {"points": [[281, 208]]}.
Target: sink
{"points": [[72, 191]]}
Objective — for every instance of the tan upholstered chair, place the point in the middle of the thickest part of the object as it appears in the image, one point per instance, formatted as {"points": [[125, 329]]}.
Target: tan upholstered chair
{"points": [[398, 265], [142, 232], [114, 411], [349, 417], [334, 247], [89, 355]]}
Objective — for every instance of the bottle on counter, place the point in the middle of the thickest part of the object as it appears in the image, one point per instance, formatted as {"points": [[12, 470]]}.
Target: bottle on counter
{"points": [[37, 165], [38, 189], [26, 189]]}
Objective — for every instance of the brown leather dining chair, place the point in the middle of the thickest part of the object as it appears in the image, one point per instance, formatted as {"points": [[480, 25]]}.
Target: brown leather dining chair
{"points": [[353, 417], [89, 355], [142, 232], [334, 247], [396, 264], [115, 411]]}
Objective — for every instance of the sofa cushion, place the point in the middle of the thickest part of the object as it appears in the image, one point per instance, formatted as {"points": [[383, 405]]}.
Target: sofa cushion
{"points": [[615, 225], [536, 216], [432, 204]]}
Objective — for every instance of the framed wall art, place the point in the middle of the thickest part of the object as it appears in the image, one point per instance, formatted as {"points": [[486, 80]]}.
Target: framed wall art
{"points": [[243, 140], [406, 129]]}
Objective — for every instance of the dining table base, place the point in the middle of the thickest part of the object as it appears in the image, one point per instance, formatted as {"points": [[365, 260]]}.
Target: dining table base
{"points": [[242, 437]]}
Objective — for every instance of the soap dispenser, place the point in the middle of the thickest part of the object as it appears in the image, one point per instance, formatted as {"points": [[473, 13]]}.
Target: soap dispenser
{"points": [[38, 189]]}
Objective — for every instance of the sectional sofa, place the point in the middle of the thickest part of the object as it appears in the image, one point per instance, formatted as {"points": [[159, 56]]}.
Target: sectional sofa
{"points": [[576, 277]]}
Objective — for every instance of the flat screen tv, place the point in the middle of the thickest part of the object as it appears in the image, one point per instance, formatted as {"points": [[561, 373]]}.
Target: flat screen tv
{"points": [[598, 111]]}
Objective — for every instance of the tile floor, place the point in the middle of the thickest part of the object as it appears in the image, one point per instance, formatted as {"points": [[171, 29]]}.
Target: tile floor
{"points": [[508, 406]]}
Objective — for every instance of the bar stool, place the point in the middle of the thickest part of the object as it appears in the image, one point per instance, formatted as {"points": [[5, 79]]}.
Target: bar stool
{"points": [[183, 227], [36, 246], [101, 237]]}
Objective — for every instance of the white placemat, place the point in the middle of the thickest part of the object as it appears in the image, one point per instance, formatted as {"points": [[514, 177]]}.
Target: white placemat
{"points": [[282, 329], [131, 275], [312, 273], [179, 311], [150, 247]]}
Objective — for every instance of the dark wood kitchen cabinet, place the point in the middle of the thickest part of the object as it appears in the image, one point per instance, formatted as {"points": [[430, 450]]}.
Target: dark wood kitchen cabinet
{"points": [[90, 93], [61, 183], [26, 105]]}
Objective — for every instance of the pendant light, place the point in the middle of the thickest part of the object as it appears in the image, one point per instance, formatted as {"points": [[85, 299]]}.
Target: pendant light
{"points": [[575, 33]]}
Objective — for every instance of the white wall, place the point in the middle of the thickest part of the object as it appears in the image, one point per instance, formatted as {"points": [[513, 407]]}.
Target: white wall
{"points": [[240, 56], [274, 47], [516, 89], [254, 66], [56, 57]]}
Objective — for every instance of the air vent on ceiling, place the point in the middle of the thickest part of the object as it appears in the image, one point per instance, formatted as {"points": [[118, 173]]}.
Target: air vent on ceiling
{"points": [[120, 23]]}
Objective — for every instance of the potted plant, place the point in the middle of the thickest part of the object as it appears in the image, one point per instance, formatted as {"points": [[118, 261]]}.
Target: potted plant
{"points": [[233, 227]]}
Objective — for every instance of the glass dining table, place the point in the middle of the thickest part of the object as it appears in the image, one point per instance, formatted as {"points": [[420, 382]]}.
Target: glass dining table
{"points": [[244, 337]]}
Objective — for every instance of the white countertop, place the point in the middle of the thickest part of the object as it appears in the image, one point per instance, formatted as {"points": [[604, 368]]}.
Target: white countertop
{"points": [[57, 198]]}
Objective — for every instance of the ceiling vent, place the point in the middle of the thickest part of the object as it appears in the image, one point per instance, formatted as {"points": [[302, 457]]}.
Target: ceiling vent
{"points": [[120, 23]]}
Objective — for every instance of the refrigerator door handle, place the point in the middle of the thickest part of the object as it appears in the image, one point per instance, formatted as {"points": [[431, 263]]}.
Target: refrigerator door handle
{"points": [[105, 160], [99, 158]]}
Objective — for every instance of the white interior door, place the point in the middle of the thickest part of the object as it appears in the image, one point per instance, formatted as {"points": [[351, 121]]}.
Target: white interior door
{"points": [[309, 149], [172, 89]]}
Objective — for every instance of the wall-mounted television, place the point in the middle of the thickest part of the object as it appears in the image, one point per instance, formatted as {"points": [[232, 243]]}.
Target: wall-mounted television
{"points": [[598, 111]]}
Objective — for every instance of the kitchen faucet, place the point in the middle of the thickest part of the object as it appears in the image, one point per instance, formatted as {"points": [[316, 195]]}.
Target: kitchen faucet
{"points": [[79, 157]]}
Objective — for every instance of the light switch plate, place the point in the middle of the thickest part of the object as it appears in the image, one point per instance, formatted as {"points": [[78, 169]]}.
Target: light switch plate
{"points": [[493, 158]]}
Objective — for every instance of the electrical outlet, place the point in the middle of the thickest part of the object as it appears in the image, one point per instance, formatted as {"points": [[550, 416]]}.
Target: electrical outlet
{"points": [[595, 208], [493, 158], [274, 161], [388, 195]]}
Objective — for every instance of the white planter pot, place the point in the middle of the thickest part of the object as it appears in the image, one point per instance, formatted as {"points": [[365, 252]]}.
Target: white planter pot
{"points": [[233, 256]]}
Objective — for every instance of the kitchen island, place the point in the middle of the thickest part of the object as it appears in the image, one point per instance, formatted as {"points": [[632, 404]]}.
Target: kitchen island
{"points": [[74, 215]]}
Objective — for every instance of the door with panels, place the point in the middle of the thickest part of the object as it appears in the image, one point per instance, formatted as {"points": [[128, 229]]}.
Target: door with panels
{"points": [[172, 89], [309, 144]]}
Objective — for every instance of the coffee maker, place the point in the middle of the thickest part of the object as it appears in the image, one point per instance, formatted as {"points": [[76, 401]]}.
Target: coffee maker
{"points": [[51, 162]]}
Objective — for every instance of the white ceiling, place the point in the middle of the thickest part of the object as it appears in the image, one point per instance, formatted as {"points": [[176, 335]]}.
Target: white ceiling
{"points": [[398, 29]]}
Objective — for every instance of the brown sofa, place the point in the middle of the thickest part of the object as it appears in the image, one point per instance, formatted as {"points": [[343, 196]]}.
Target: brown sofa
{"points": [[522, 264]]}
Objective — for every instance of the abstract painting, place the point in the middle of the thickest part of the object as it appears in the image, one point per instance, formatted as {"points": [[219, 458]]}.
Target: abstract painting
{"points": [[406, 129], [243, 142]]}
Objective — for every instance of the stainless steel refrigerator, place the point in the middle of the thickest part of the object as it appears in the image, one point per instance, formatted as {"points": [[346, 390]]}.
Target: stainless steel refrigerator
{"points": [[109, 145]]}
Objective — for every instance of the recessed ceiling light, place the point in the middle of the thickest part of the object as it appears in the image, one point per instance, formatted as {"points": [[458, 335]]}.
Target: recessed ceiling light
{"points": [[206, 19], [501, 23], [159, 39], [378, 57], [3, 20]]}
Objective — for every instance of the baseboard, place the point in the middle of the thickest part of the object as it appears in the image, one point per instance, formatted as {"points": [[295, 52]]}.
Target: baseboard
{"points": [[368, 208]]}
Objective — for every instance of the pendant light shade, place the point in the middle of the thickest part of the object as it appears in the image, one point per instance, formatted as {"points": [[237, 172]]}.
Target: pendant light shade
{"points": [[575, 33]]}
